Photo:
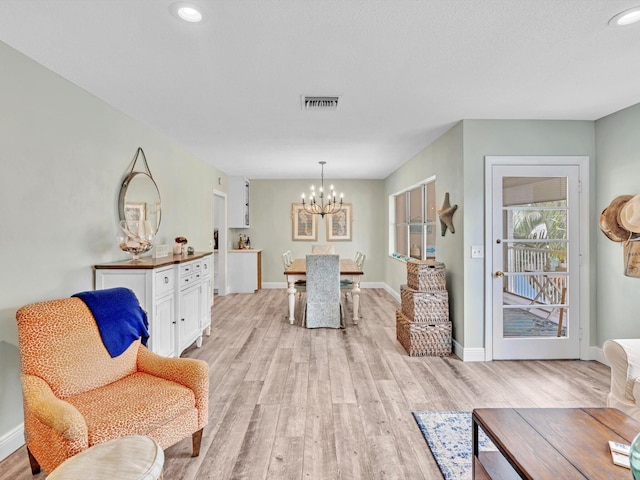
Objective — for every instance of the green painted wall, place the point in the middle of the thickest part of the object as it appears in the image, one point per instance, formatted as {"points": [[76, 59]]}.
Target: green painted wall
{"points": [[271, 223], [617, 173], [507, 137], [64, 156]]}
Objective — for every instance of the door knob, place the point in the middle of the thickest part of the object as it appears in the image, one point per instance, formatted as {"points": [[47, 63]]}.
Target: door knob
{"points": [[499, 274]]}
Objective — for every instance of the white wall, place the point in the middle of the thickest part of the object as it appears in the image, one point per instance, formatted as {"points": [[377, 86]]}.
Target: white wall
{"points": [[617, 173], [64, 155]]}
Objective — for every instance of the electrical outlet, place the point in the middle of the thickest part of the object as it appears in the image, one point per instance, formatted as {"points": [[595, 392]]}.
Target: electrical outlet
{"points": [[477, 251]]}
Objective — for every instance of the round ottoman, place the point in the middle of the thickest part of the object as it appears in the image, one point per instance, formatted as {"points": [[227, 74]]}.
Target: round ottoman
{"points": [[127, 458]]}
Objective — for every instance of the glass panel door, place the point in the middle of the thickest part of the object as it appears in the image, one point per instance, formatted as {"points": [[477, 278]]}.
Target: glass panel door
{"points": [[535, 240]]}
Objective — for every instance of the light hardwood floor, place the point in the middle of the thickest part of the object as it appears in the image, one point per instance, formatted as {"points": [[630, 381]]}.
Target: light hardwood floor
{"points": [[293, 403]]}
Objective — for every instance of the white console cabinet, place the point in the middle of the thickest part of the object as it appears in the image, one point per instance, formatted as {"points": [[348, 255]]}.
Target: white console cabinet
{"points": [[175, 292]]}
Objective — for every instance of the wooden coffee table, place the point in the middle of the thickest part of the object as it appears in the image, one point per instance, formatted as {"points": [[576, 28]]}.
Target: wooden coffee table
{"points": [[550, 443]]}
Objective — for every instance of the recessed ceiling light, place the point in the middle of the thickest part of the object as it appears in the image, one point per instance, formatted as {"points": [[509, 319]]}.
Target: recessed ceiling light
{"points": [[627, 17], [189, 12]]}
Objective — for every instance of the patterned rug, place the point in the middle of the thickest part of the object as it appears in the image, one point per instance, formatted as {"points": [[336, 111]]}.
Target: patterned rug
{"points": [[448, 435]]}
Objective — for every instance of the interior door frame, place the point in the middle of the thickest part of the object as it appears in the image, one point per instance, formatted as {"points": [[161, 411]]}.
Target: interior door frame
{"points": [[220, 197], [584, 273]]}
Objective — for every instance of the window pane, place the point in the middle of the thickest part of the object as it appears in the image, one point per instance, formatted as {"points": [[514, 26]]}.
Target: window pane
{"points": [[401, 240], [401, 208], [415, 240], [415, 205]]}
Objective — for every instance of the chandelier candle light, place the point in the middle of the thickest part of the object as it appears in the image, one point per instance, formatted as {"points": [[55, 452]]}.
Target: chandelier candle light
{"points": [[318, 207]]}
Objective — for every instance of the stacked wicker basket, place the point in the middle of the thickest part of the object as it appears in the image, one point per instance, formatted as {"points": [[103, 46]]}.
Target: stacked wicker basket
{"points": [[422, 324]]}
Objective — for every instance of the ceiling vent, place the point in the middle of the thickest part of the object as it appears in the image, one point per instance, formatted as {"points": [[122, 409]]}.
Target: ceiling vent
{"points": [[320, 103]]}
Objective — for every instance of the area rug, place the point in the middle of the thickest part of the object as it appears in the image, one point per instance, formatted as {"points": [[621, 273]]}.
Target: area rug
{"points": [[448, 435]]}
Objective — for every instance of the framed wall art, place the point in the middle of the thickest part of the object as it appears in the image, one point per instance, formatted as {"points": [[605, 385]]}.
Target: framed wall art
{"points": [[135, 211], [304, 224], [339, 224]]}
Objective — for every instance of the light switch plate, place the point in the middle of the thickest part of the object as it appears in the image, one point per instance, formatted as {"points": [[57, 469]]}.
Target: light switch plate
{"points": [[477, 251]]}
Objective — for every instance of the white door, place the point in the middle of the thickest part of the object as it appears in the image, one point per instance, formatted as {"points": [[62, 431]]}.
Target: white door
{"points": [[535, 261]]}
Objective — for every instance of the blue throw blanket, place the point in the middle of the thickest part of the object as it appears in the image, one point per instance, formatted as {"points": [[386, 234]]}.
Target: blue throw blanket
{"points": [[120, 319]]}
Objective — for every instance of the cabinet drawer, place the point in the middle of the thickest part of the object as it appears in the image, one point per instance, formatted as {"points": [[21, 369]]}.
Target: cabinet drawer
{"points": [[188, 268], [165, 282], [206, 266], [188, 280]]}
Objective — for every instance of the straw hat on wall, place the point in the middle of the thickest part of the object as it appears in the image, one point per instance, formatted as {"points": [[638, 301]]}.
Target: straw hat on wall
{"points": [[611, 221]]}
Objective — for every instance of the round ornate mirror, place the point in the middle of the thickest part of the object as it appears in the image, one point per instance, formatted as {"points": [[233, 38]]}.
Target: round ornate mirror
{"points": [[140, 200]]}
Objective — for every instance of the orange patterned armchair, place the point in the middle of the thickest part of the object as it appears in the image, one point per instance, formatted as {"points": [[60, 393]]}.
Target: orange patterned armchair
{"points": [[76, 395]]}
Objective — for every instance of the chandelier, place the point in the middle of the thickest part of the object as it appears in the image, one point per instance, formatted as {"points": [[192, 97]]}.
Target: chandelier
{"points": [[316, 205]]}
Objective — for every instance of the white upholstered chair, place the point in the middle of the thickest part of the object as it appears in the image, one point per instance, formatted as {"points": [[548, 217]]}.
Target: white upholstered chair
{"points": [[623, 356]]}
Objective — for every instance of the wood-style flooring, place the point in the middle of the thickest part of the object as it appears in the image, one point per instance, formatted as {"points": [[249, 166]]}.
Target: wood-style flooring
{"points": [[293, 403]]}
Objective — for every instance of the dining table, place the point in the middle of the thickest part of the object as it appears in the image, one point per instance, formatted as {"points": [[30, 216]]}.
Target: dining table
{"points": [[298, 271]]}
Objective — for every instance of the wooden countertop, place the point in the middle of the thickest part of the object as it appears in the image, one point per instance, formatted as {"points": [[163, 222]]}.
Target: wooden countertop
{"points": [[245, 250], [150, 262]]}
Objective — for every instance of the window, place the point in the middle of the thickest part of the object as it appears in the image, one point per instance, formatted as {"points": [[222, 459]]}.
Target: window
{"points": [[415, 222]]}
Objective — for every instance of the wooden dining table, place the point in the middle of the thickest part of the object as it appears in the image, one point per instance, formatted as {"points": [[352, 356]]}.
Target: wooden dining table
{"points": [[298, 271]]}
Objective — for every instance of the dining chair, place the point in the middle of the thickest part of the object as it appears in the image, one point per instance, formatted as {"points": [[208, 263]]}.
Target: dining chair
{"points": [[323, 249], [287, 260], [323, 307], [346, 285]]}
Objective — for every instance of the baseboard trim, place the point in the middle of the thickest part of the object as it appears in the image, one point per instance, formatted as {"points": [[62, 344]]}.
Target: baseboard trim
{"points": [[595, 353], [11, 441], [468, 354], [283, 285]]}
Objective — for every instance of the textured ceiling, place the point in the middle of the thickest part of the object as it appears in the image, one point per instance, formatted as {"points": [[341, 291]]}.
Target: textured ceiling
{"points": [[229, 89]]}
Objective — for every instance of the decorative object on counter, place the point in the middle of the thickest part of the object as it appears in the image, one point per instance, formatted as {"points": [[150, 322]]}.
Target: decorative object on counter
{"points": [[190, 251], [304, 225], [339, 224], [139, 199], [244, 242], [215, 239], [134, 238], [179, 246], [161, 251], [317, 206], [445, 214]]}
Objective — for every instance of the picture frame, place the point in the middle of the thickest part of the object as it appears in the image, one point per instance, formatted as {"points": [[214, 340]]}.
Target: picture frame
{"points": [[135, 211], [304, 224], [339, 224]]}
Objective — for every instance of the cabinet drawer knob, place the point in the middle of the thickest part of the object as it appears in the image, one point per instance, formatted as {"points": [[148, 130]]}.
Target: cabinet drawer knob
{"points": [[166, 279]]}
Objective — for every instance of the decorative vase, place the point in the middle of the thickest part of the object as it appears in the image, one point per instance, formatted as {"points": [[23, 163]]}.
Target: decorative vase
{"points": [[134, 237]]}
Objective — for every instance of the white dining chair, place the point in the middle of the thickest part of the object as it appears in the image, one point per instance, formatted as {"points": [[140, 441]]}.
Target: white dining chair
{"points": [[287, 260], [346, 285], [323, 307]]}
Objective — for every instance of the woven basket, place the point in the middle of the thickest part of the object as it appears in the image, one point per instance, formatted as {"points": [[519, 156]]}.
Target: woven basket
{"points": [[422, 339], [424, 307], [426, 276]]}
